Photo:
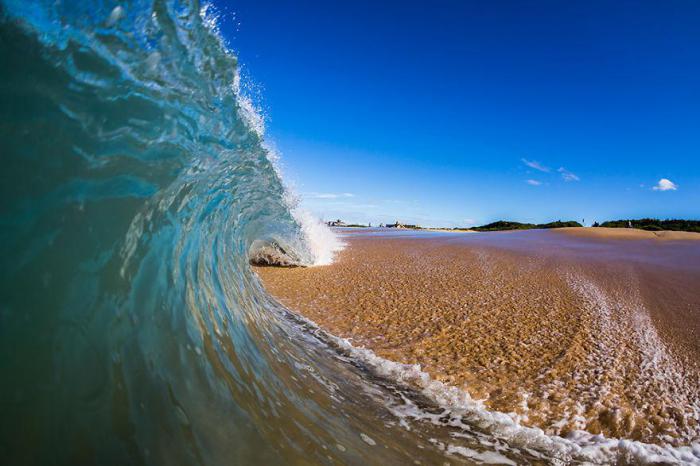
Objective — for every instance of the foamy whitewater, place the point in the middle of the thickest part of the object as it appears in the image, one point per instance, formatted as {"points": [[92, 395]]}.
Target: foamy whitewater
{"points": [[136, 191]]}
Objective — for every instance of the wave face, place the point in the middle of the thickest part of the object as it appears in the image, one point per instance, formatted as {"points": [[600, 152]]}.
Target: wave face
{"points": [[136, 188]]}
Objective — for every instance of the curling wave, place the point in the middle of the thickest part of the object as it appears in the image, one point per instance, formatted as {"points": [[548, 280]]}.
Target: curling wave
{"points": [[136, 190]]}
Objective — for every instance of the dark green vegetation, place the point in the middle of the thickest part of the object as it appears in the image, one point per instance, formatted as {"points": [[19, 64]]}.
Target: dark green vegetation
{"points": [[653, 224], [502, 225]]}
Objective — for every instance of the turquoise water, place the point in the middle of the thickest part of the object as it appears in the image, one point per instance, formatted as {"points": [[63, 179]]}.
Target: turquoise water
{"points": [[135, 187]]}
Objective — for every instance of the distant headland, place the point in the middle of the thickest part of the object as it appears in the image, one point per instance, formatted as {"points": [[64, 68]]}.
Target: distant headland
{"points": [[503, 225]]}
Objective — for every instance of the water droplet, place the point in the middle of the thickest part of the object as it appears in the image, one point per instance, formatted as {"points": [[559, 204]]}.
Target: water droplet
{"points": [[116, 15]]}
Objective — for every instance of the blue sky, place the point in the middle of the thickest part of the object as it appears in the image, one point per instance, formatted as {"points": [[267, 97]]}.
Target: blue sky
{"points": [[451, 113]]}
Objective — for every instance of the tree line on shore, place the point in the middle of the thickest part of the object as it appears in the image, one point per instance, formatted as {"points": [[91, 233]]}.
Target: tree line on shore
{"points": [[654, 224], [650, 224]]}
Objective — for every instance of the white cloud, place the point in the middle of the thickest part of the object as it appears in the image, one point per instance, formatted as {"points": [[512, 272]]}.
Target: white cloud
{"points": [[536, 165], [533, 182], [328, 195], [665, 184], [567, 175]]}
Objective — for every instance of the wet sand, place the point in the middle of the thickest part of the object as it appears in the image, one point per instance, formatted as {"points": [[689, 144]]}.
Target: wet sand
{"points": [[564, 332]]}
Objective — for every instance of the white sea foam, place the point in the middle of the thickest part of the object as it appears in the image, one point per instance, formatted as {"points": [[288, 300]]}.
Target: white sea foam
{"points": [[624, 326], [460, 411], [321, 241], [464, 412]]}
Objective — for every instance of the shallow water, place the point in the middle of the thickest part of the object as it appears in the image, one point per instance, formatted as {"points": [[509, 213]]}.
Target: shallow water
{"points": [[135, 181], [562, 339]]}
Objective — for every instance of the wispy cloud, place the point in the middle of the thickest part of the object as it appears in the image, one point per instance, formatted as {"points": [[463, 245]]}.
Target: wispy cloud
{"points": [[328, 195], [567, 175], [665, 184], [533, 182], [536, 165]]}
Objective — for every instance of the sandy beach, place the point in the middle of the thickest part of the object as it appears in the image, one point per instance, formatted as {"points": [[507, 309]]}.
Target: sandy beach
{"points": [[629, 233], [553, 328]]}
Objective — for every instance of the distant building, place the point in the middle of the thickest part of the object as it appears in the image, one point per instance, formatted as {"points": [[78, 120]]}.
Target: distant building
{"points": [[336, 223]]}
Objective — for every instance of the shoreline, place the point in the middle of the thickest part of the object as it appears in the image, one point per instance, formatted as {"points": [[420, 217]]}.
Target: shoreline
{"points": [[503, 327], [601, 233]]}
